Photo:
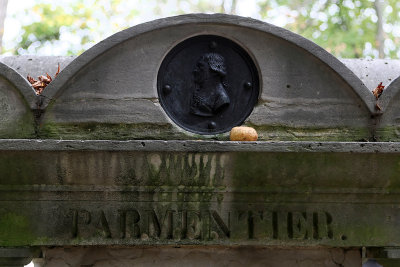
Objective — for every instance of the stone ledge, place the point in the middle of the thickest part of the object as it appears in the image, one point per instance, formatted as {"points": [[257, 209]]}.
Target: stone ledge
{"points": [[197, 146]]}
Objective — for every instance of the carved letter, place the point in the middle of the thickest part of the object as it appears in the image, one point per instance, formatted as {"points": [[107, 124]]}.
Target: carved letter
{"points": [[160, 228], [130, 218], [263, 224], [102, 226], [74, 229], [323, 225], [192, 225], [298, 225], [225, 229], [85, 218]]}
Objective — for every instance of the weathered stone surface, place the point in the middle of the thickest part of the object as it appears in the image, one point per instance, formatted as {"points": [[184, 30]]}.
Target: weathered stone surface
{"points": [[16, 99], [214, 256], [205, 194], [17, 257], [125, 119], [370, 71], [382, 257], [145, 192], [198, 146], [119, 105], [374, 71], [389, 119], [306, 93], [36, 65]]}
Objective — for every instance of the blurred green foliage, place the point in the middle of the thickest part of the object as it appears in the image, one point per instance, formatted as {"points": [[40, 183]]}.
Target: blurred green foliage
{"points": [[343, 27], [52, 20], [76, 19], [346, 28]]}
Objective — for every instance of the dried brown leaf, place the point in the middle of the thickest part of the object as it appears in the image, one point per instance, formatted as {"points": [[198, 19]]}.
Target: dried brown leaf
{"points": [[31, 80], [378, 90], [58, 70], [42, 81], [39, 90], [49, 77]]}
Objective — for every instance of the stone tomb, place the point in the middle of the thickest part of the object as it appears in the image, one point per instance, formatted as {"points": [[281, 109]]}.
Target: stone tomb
{"points": [[124, 158]]}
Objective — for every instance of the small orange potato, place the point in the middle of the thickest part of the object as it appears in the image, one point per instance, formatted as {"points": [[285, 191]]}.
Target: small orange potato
{"points": [[243, 133]]}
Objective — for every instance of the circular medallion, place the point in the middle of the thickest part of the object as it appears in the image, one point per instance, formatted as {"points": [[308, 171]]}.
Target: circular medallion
{"points": [[208, 84]]}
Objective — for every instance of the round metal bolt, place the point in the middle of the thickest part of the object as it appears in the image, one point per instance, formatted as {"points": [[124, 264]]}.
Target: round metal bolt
{"points": [[167, 89], [213, 45], [248, 85], [212, 125]]}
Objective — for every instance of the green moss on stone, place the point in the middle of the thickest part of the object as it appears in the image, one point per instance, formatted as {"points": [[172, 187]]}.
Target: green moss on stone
{"points": [[285, 133], [24, 127], [18, 168], [97, 131], [118, 131], [304, 172], [151, 131], [15, 230], [387, 134]]}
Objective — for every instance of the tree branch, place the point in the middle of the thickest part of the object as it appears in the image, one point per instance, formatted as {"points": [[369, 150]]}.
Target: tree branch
{"points": [[380, 38], [3, 12]]}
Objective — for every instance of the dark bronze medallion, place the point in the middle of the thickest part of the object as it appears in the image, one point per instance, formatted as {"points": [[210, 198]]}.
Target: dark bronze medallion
{"points": [[208, 84]]}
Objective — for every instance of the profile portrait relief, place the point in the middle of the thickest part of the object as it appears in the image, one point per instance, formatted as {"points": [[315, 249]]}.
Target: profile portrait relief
{"points": [[207, 84], [209, 94]]}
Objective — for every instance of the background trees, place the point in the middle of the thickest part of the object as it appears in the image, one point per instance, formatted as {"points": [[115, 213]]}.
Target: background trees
{"points": [[346, 28], [3, 9]]}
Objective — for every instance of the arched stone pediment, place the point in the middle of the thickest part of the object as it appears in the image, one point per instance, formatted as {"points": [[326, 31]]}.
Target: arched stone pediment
{"points": [[110, 91], [17, 98]]}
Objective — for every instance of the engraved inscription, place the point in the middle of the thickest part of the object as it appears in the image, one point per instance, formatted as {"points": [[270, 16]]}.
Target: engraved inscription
{"points": [[175, 224], [188, 169], [303, 225]]}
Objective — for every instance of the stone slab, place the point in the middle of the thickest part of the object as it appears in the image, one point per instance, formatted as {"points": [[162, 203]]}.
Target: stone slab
{"points": [[202, 256], [305, 91], [181, 193]]}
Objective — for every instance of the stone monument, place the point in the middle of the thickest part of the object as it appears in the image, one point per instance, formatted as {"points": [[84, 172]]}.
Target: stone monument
{"points": [[124, 158]]}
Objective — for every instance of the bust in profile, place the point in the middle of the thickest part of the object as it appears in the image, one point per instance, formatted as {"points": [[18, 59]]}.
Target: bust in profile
{"points": [[209, 95]]}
